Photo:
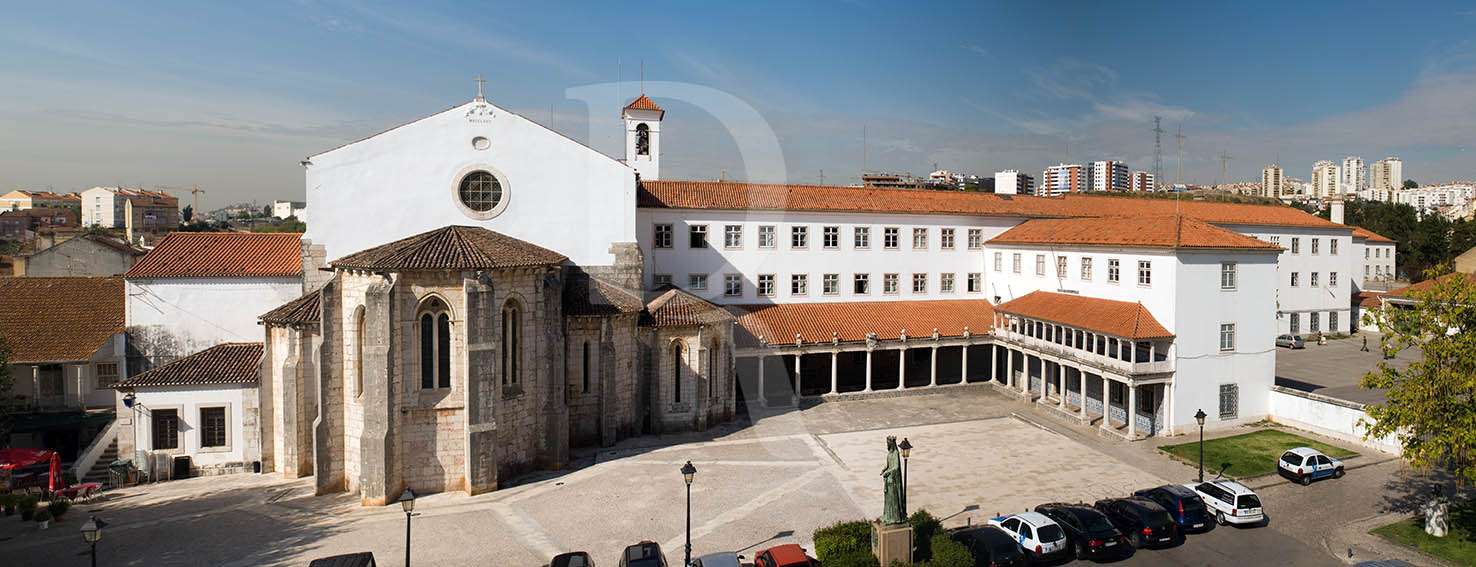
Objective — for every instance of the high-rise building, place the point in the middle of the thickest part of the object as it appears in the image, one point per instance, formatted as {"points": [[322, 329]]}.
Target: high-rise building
{"points": [[1325, 176], [1108, 176], [1353, 175], [1271, 182], [1143, 181], [1387, 173], [1063, 178], [1012, 182]]}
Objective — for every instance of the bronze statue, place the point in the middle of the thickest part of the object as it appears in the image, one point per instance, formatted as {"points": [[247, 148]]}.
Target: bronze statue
{"points": [[892, 512]]}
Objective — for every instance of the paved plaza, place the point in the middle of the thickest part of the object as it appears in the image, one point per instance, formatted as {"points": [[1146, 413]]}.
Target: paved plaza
{"points": [[1336, 368], [769, 481]]}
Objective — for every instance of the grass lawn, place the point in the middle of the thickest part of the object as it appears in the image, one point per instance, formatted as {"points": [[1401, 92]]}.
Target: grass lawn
{"points": [[1457, 546], [1249, 454]]}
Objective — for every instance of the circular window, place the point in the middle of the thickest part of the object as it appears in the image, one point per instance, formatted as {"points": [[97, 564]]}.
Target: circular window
{"points": [[481, 142], [480, 191]]}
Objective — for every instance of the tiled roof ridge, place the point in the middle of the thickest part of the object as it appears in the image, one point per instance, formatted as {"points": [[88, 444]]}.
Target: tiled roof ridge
{"points": [[304, 309], [452, 247], [1139, 324], [222, 254], [223, 363], [644, 102]]}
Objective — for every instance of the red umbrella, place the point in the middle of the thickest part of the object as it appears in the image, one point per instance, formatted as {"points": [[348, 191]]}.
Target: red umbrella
{"points": [[57, 483]]}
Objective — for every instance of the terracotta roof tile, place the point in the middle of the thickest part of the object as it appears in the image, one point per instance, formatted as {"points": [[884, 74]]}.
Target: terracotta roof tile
{"points": [[451, 248], [305, 309], [59, 319], [1118, 318], [1410, 291], [1153, 232], [1369, 235], [1366, 299], [851, 321], [644, 103], [675, 308], [587, 296], [222, 254], [225, 363]]}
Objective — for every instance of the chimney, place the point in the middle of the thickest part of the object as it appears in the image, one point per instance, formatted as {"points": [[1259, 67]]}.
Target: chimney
{"points": [[1337, 209], [127, 219]]}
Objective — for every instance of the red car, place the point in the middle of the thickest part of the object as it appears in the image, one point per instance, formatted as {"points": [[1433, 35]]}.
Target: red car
{"points": [[787, 555]]}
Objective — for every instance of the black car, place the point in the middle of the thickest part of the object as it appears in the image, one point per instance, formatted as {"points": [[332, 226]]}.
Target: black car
{"points": [[1183, 505], [572, 559], [643, 554], [1092, 535], [991, 546], [1143, 521]]}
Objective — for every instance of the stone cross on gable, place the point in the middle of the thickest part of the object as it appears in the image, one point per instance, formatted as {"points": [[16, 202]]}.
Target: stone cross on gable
{"points": [[480, 80]]}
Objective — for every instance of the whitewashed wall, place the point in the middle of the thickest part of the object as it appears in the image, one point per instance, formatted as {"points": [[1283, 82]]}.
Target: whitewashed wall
{"points": [[1326, 416], [188, 400], [202, 312], [1006, 285], [1306, 298], [1201, 306]]}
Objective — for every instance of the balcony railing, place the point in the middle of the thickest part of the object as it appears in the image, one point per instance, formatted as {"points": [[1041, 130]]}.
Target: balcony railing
{"points": [[1090, 358]]}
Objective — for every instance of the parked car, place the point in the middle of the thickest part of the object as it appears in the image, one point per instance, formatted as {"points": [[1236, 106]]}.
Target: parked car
{"points": [[572, 559], [1183, 505], [1305, 464], [1091, 534], [643, 554], [720, 559], [1291, 341], [787, 555], [360, 559], [991, 546], [1041, 537], [1230, 501], [1143, 521]]}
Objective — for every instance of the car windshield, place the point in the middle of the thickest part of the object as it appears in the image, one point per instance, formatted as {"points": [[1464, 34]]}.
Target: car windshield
{"points": [[1051, 533], [1248, 501], [1191, 505], [1292, 459], [1095, 523]]}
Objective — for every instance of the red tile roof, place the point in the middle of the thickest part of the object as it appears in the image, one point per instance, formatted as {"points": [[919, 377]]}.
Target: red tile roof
{"points": [[452, 248], [1367, 299], [644, 103], [1410, 291], [851, 321], [305, 309], [1371, 236], [1118, 318], [1153, 232], [59, 319], [225, 363], [222, 254], [677, 308]]}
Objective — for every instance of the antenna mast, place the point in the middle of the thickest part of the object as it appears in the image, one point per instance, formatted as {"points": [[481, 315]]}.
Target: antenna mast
{"points": [[1179, 170], [1224, 167], [1157, 150]]}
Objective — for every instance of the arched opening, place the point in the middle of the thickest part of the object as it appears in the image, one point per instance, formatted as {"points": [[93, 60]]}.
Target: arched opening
{"points": [[435, 344], [511, 339], [678, 360], [643, 139], [584, 378]]}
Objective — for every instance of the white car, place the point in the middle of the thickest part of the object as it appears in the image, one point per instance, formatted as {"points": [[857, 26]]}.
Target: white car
{"points": [[1230, 501], [1305, 464], [1041, 537]]}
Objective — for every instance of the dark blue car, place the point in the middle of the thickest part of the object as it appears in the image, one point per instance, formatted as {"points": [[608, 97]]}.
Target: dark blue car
{"points": [[1183, 505]]}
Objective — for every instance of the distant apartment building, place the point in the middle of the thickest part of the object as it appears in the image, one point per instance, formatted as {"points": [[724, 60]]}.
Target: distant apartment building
{"points": [[1062, 179], [1012, 182], [1143, 181], [892, 181], [284, 209], [1325, 176], [1271, 181], [24, 224], [1353, 178], [1431, 198], [1108, 176], [19, 200], [110, 207], [1387, 173]]}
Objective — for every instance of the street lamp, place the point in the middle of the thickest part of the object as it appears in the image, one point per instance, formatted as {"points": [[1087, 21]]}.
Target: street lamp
{"points": [[1199, 417], [91, 532], [689, 471], [407, 502], [906, 450]]}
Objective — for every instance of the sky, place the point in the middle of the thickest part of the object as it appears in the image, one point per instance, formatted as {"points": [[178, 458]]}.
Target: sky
{"points": [[232, 96]]}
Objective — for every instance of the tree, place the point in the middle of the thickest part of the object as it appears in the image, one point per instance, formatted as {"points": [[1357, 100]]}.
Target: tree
{"points": [[1430, 406], [1410, 184], [188, 213]]}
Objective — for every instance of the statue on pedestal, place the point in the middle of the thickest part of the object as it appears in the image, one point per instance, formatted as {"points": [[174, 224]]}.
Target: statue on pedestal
{"points": [[1437, 514], [892, 512]]}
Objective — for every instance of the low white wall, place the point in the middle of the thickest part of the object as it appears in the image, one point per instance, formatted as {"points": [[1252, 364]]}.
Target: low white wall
{"points": [[1326, 416]]}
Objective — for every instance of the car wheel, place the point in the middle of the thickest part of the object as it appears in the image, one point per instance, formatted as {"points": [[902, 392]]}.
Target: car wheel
{"points": [[1080, 553], [1338, 473], [1220, 518], [1305, 480]]}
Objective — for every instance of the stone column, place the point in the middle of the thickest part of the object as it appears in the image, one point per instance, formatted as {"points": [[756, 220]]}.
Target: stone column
{"points": [[1061, 386], [902, 368], [1106, 409], [1081, 385], [1025, 372], [1010, 368], [1168, 394], [36, 383], [834, 388], [933, 380], [762, 394], [963, 373], [799, 378], [1132, 410], [868, 370]]}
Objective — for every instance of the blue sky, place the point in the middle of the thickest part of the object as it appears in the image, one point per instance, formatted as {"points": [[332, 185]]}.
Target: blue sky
{"points": [[232, 95]]}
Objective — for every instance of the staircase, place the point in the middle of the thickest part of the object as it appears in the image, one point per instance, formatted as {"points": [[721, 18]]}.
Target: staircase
{"points": [[99, 471]]}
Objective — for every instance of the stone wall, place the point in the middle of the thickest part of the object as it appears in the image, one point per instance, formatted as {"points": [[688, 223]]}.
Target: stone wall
{"points": [[704, 371]]}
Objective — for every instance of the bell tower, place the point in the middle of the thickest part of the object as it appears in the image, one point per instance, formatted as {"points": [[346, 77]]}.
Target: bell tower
{"points": [[643, 137]]}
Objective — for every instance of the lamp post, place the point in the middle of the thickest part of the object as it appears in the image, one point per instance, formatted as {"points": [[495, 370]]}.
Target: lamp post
{"points": [[1199, 417], [906, 450], [91, 532], [689, 471], [407, 502]]}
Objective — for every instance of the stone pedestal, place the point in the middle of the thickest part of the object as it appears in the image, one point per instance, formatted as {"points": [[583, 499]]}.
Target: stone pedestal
{"points": [[891, 542]]}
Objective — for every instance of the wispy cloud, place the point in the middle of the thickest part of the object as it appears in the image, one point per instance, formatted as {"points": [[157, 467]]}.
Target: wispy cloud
{"points": [[976, 49]]}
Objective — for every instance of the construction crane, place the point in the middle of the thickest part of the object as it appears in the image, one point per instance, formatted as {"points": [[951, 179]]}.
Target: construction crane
{"points": [[195, 190]]}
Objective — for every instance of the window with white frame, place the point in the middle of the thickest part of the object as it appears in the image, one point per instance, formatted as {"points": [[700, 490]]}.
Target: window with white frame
{"points": [[1114, 270], [213, 426], [766, 285], [658, 280], [862, 237], [1016, 262], [1332, 279], [945, 282], [999, 261], [799, 237], [1365, 253], [1040, 264], [1332, 247], [1296, 245], [107, 374], [1061, 267], [698, 235], [1296, 279], [861, 284], [830, 284], [1332, 321], [1145, 272], [733, 236], [1086, 269], [1227, 336], [830, 237], [919, 283], [890, 236], [889, 283], [1227, 274], [732, 285], [1276, 240], [799, 284], [919, 239], [697, 282], [766, 236], [1316, 246], [1313, 281], [1312, 324], [976, 238], [165, 429], [1365, 271], [976, 282], [1296, 323], [945, 238], [662, 236]]}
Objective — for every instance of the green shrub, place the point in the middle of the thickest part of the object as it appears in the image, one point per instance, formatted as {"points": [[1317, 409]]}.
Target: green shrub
{"points": [[853, 558], [41, 516], [58, 508], [27, 506], [7, 503], [924, 527], [842, 539], [949, 553]]}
